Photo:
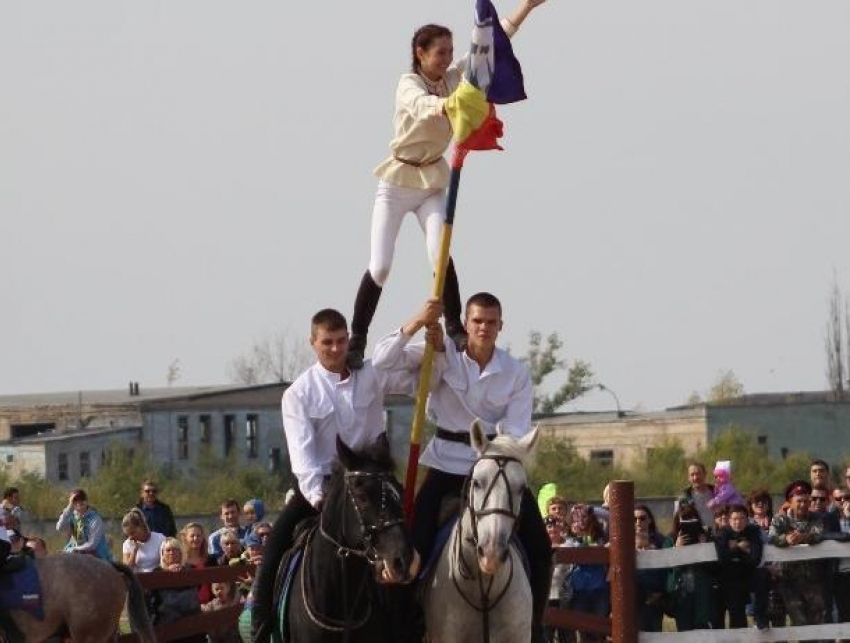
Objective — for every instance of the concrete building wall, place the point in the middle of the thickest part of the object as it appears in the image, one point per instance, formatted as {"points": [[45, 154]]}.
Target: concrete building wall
{"points": [[71, 448], [627, 438], [821, 429], [162, 435], [21, 458]]}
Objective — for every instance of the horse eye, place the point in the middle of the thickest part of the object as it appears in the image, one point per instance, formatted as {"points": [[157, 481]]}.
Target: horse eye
{"points": [[476, 484]]}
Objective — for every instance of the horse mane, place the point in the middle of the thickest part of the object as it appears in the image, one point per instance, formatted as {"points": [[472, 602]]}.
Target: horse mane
{"points": [[507, 445], [375, 457]]}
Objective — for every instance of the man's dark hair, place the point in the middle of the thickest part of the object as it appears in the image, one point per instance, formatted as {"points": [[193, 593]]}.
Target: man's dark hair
{"points": [[761, 494], [8, 492], [230, 502], [329, 319], [738, 509], [79, 495], [819, 463], [484, 300], [699, 465]]}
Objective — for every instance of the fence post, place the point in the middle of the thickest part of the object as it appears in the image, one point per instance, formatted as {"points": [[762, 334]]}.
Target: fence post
{"points": [[621, 527]]}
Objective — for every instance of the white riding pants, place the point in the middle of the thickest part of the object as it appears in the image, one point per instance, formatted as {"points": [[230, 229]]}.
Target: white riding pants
{"points": [[392, 203]]}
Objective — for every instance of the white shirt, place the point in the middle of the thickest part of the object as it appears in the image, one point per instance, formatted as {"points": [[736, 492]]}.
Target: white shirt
{"points": [[421, 132], [461, 393], [147, 558], [319, 405]]}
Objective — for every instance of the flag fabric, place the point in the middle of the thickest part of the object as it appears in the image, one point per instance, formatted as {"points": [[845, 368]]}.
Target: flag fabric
{"points": [[492, 66], [492, 75]]}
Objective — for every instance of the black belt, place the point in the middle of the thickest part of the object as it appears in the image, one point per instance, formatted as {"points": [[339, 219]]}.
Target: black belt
{"points": [[456, 436]]}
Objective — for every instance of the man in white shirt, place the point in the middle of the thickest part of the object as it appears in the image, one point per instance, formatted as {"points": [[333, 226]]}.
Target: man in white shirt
{"points": [[324, 401], [483, 382]]}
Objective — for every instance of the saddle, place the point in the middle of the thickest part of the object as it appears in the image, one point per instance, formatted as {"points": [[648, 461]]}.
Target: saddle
{"points": [[20, 586], [286, 575]]}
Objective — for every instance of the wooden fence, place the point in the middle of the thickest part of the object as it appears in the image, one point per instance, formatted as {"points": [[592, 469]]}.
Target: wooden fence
{"points": [[202, 623], [620, 556]]}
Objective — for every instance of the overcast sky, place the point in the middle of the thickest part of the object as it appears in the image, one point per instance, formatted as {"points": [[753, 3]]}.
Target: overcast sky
{"points": [[180, 178]]}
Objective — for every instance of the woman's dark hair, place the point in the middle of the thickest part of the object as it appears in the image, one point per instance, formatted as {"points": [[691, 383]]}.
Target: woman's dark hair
{"points": [[686, 511], [594, 527], [651, 527], [424, 37], [761, 494]]}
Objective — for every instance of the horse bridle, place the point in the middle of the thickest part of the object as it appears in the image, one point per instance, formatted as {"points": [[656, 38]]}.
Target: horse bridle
{"points": [[367, 551], [372, 530], [513, 513], [487, 603]]}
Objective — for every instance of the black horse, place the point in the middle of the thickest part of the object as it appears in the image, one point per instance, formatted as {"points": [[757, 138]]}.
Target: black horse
{"points": [[359, 547]]}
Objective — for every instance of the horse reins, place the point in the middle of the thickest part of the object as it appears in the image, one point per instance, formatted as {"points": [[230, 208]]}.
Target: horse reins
{"points": [[367, 552], [466, 572]]}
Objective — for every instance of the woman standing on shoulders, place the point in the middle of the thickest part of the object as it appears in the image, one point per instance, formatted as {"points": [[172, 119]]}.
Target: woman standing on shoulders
{"points": [[415, 176]]}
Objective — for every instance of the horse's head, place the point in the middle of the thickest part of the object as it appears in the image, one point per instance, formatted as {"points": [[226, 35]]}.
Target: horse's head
{"points": [[495, 487], [368, 512]]}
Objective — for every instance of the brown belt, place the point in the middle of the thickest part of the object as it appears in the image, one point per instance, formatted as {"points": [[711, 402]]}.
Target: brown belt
{"points": [[416, 163]]}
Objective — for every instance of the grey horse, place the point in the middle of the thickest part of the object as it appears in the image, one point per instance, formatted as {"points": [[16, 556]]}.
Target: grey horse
{"points": [[83, 599], [479, 590]]}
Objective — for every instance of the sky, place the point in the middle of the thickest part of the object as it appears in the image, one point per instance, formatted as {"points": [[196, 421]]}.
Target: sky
{"points": [[180, 179]]}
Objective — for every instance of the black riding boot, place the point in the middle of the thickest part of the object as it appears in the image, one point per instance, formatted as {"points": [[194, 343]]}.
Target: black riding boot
{"points": [[263, 617], [532, 533], [365, 305], [452, 308]]}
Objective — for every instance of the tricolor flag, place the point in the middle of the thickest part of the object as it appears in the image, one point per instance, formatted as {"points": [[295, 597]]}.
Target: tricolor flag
{"points": [[492, 75]]}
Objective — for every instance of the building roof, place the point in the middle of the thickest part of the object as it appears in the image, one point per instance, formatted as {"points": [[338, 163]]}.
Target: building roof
{"points": [[80, 434], [116, 397], [776, 399], [159, 398], [603, 417]]}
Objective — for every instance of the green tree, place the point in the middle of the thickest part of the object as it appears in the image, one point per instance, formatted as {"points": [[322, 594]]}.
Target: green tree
{"points": [[660, 471], [543, 360], [558, 461]]}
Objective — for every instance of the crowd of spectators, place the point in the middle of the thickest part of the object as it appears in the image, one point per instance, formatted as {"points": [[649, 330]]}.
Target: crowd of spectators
{"points": [[739, 587], [153, 542]]}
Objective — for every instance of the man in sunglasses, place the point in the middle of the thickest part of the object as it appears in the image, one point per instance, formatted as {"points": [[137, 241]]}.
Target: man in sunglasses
{"points": [[157, 514]]}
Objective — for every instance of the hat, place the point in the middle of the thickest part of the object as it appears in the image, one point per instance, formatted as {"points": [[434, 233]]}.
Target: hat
{"points": [[253, 540], [723, 465]]}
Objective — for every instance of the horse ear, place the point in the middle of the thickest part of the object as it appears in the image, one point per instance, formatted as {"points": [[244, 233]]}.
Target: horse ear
{"points": [[477, 437], [500, 429], [348, 458], [529, 440]]}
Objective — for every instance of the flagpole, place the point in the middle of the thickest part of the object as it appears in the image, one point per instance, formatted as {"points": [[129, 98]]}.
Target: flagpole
{"points": [[428, 358]]}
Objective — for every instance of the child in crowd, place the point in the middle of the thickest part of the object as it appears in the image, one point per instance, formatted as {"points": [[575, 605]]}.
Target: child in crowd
{"points": [[739, 548], [254, 511], [561, 589], [224, 595]]}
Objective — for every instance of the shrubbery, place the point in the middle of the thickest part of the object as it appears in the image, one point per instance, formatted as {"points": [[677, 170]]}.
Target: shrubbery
{"points": [[115, 487], [662, 471]]}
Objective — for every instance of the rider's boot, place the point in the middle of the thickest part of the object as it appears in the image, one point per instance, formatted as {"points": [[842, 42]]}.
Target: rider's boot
{"points": [[453, 310], [365, 305]]}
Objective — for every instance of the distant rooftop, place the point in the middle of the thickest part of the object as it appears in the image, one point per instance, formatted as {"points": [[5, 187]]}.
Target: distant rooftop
{"points": [[776, 399], [150, 398], [116, 397]]}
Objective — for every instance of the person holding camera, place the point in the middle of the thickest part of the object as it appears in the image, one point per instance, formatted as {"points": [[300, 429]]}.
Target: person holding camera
{"points": [[689, 586]]}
